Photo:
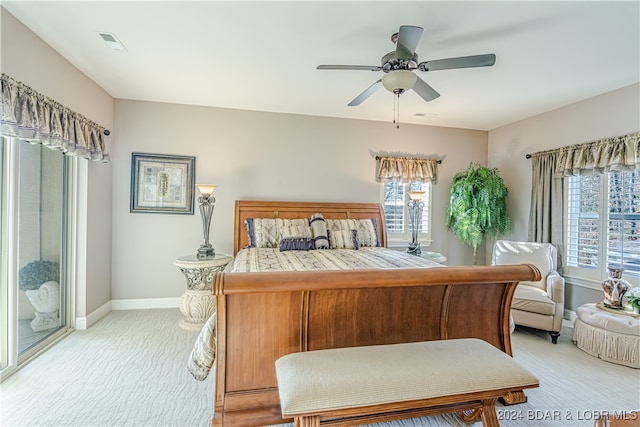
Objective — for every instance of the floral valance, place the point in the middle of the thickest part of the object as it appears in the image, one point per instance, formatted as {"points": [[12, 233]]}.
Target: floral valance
{"points": [[621, 153], [407, 169], [31, 116]]}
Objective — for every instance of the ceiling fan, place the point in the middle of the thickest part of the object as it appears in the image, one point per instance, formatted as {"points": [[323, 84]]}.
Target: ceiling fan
{"points": [[400, 64]]}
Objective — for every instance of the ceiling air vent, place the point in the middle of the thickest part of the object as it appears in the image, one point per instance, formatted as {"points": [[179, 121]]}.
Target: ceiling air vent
{"points": [[112, 41]]}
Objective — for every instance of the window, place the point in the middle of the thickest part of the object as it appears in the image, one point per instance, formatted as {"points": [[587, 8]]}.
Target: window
{"points": [[603, 223], [396, 213]]}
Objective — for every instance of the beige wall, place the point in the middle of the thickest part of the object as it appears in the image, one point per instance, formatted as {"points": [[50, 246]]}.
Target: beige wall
{"points": [[256, 155], [28, 59], [612, 114]]}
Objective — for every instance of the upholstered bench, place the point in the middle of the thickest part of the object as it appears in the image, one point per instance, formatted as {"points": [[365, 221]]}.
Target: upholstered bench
{"points": [[611, 335], [356, 385]]}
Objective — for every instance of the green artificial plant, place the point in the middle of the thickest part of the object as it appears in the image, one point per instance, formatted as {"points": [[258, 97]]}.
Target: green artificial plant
{"points": [[478, 206], [34, 274]]}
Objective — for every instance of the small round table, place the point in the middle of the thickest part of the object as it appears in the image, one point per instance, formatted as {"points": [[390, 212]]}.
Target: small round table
{"points": [[434, 256], [197, 303]]}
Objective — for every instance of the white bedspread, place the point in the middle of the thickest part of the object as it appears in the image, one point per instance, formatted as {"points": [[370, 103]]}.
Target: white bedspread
{"points": [[268, 259]]}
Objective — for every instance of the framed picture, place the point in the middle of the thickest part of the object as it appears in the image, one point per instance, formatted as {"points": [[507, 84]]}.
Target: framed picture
{"points": [[162, 183]]}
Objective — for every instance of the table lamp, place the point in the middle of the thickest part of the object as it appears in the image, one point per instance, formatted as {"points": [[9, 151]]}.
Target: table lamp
{"points": [[415, 215], [206, 201]]}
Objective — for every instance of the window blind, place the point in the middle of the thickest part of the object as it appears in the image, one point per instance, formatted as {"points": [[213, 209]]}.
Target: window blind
{"points": [[583, 225], [623, 234], [395, 208]]}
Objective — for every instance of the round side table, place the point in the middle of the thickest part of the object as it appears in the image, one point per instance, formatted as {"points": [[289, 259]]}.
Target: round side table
{"points": [[434, 256], [196, 303]]}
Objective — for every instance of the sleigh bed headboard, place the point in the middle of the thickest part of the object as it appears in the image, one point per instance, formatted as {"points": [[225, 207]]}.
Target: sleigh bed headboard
{"points": [[292, 210]]}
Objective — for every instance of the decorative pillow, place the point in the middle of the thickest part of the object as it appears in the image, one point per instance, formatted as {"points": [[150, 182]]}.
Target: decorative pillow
{"points": [[286, 231], [366, 229], [319, 231], [367, 236], [296, 244], [287, 222], [262, 232], [343, 239]]}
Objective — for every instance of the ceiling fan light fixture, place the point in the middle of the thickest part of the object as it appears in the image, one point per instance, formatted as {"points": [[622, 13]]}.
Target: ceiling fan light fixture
{"points": [[399, 80]]}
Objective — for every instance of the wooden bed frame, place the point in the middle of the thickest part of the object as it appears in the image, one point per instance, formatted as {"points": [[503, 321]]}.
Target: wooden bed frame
{"points": [[292, 210], [263, 316]]}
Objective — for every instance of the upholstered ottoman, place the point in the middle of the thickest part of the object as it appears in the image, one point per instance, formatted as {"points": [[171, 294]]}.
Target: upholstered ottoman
{"points": [[611, 335]]}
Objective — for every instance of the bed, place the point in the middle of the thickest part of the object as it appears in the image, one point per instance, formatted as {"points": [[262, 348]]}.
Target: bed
{"points": [[264, 315]]}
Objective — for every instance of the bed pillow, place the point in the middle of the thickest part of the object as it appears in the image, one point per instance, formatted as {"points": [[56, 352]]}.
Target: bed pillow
{"points": [[295, 237], [343, 239], [262, 232], [319, 231], [285, 231], [287, 222], [296, 244], [366, 229]]}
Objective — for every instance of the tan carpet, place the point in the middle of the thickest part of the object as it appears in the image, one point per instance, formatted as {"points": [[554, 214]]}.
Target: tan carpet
{"points": [[129, 370]]}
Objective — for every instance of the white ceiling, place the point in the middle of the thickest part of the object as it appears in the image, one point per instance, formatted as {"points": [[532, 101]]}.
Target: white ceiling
{"points": [[263, 55]]}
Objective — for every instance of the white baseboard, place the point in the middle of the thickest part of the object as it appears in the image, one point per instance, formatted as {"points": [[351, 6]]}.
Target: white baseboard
{"points": [[144, 303], [82, 323], [569, 318], [85, 322]]}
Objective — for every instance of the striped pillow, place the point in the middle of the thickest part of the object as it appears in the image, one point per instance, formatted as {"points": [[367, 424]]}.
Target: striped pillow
{"points": [[262, 232], [286, 231], [319, 231], [343, 239], [367, 229]]}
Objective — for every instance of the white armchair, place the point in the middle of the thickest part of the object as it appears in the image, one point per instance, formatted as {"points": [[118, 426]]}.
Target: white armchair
{"points": [[539, 304]]}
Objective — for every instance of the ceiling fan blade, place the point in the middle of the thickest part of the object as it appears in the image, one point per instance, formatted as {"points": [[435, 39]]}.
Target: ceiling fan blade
{"points": [[408, 38], [364, 95], [460, 62], [350, 67], [425, 91]]}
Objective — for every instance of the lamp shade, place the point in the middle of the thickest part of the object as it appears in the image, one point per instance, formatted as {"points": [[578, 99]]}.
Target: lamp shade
{"points": [[416, 195], [399, 80], [206, 189]]}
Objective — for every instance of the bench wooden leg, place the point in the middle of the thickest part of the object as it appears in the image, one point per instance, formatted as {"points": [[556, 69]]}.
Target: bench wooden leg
{"points": [[470, 415], [309, 421], [514, 398], [489, 416]]}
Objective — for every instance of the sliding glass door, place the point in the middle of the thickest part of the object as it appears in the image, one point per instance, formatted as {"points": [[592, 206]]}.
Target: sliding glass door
{"points": [[34, 280]]}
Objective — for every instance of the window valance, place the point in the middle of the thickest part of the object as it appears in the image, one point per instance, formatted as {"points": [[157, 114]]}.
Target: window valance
{"points": [[620, 153], [32, 117], [407, 169]]}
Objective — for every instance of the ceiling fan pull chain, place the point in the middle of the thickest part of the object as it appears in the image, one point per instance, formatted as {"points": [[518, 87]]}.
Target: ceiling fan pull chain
{"points": [[394, 109], [397, 121]]}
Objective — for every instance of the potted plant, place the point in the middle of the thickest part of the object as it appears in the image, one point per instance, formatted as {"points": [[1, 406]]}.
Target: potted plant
{"points": [[478, 206], [34, 274], [39, 281], [633, 296]]}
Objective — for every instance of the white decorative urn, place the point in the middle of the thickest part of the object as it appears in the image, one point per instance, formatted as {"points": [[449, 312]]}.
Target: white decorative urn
{"points": [[46, 301]]}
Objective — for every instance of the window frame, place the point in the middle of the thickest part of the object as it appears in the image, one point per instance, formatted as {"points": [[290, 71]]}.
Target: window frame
{"points": [[404, 237], [585, 276]]}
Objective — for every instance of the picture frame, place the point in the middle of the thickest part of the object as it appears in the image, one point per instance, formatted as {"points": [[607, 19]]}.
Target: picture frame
{"points": [[162, 183]]}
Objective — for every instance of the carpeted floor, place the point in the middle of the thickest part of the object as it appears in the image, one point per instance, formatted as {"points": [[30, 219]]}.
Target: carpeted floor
{"points": [[129, 370]]}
